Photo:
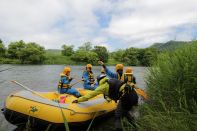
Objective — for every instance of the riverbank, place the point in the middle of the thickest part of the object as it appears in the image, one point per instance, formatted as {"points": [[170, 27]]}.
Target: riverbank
{"points": [[56, 58]]}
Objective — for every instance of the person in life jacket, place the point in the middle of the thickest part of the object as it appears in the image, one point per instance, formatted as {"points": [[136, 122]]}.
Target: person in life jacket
{"points": [[88, 78], [119, 72], [130, 77], [131, 80], [117, 91], [64, 83]]}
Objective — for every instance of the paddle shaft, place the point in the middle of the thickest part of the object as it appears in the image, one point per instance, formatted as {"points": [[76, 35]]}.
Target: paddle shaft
{"points": [[27, 88], [75, 83]]}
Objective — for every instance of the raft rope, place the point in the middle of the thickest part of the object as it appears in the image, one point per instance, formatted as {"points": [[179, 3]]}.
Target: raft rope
{"points": [[76, 112], [73, 112]]}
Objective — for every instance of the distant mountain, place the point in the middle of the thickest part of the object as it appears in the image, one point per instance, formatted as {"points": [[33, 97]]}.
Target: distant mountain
{"points": [[157, 45], [170, 45]]}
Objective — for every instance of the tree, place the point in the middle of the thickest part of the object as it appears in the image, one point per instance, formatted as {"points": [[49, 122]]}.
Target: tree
{"points": [[147, 56], [32, 54], [118, 55], [101, 52], [85, 56], [86, 46], [130, 56], [15, 48], [2, 49], [67, 50]]}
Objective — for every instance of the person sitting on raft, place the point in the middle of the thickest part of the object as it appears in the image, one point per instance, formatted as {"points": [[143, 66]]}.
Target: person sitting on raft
{"points": [[64, 83], [88, 78]]}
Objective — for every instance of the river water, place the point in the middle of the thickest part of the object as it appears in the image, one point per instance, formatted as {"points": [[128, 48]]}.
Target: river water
{"points": [[44, 78]]}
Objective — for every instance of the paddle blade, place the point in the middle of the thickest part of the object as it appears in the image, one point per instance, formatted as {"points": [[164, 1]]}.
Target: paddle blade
{"points": [[142, 93]]}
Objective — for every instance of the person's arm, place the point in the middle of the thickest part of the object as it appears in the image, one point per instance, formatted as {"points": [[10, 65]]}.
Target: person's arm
{"points": [[108, 72], [134, 80], [99, 90], [65, 80], [89, 96], [70, 79]]}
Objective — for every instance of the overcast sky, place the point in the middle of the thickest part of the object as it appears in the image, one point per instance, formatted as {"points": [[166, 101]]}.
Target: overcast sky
{"points": [[112, 23]]}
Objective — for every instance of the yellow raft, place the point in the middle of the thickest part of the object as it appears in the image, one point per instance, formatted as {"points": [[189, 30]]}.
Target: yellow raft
{"points": [[50, 108]]}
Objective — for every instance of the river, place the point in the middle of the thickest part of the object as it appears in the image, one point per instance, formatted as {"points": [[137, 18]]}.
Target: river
{"points": [[44, 78]]}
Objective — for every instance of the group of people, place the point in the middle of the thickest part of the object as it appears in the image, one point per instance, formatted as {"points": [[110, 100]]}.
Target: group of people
{"points": [[87, 78], [118, 86]]}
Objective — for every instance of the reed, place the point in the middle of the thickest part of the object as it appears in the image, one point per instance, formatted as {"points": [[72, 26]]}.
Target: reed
{"points": [[171, 86]]}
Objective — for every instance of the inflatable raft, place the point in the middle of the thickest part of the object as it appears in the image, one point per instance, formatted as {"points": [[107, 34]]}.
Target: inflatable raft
{"points": [[53, 108]]}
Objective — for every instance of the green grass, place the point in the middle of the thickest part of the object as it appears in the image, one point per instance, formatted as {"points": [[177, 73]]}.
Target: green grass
{"points": [[9, 61], [112, 61], [55, 57], [53, 51], [171, 86]]}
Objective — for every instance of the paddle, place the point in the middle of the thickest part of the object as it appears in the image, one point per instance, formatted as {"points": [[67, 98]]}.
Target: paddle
{"points": [[26, 88], [79, 80], [75, 83], [141, 92]]}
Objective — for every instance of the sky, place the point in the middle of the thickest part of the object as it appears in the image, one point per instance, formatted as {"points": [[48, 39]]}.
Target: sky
{"points": [[116, 24]]}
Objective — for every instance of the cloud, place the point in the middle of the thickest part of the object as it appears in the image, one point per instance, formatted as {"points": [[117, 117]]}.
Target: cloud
{"points": [[151, 21], [48, 22], [113, 23]]}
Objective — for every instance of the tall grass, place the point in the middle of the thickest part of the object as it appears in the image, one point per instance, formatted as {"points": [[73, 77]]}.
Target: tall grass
{"points": [[172, 88], [57, 58], [9, 61]]}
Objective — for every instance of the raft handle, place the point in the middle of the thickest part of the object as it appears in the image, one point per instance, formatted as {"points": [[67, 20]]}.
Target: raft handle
{"points": [[72, 112], [2, 110]]}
